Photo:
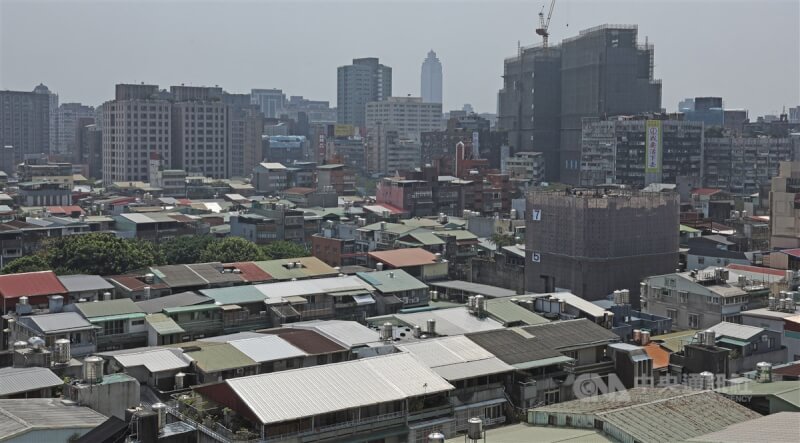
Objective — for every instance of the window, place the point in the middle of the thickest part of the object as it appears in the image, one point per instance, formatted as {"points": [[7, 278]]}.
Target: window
{"points": [[551, 397], [694, 321], [701, 260], [683, 296], [673, 315], [137, 322]]}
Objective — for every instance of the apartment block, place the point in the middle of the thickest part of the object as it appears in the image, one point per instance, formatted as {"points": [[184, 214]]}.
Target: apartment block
{"points": [[409, 116], [746, 165], [365, 80], [136, 123], [638, 151], [784, 214], [199, 131], [24, 126]]}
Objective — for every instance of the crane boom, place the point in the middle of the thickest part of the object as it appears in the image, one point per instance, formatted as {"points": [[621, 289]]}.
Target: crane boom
{"points": [[544, 24]]}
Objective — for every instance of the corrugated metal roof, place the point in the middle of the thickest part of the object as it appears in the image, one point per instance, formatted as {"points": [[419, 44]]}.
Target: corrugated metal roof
{"points": [[18, 416], [506, 311], [474, 288], [30, 284], [347, 333], [81, 283], [250, 272], [215, 357], [387, 282], [735, 330], [163, 325], [267, 348], [107, 307], [312, 267], [156, 360], [780, 427], [130, 316], [400, 258], [314, 286], [456, 358], [55, 323], [453, 321], [311, 342], [235, 295], [172, 301], [288, 395], [18, 380]]}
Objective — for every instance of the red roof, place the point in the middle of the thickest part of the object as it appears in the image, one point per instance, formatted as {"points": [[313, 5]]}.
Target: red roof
{"points": [[793, 252], [30, 284], [184, 201], [67, 210], [400, 258], [250, 272], [659, 355], [791, 370], [705, 191], [757, 269]]}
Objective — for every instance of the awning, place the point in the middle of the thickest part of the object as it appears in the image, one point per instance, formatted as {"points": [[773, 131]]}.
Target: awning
{"points": [[364, 299], [495, 401], [733, 341], [543, 362]]}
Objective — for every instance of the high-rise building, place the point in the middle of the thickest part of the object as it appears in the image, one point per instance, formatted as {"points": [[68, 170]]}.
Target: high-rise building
{"points": [[640, 150], [364, 81], [24, 126], [66, 125], [271, 102], [548, 91], [89, 146], [580, 239], [135, 124], [784, 216], [53, 106], [387, 152], [318, 111], [431, 79], [410, 116], [245, 127], [199, 131], [604, 71], [529, 105]]}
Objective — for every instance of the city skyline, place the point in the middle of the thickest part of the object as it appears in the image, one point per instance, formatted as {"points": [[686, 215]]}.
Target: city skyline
{"points": [[682, 41]]}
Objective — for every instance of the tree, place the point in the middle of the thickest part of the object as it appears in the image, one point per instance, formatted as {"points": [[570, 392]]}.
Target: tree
{"points": [[100, 253], [503, 240], [28, 263], [285, 249], [230, 250], [186, 249]]}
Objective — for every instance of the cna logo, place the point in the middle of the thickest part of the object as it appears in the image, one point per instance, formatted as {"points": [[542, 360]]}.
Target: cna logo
{"points": [[589, 386]]}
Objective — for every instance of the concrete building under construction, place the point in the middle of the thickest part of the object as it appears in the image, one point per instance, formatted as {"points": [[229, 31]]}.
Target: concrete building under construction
{"points": [[594, 241], [603, 71]]}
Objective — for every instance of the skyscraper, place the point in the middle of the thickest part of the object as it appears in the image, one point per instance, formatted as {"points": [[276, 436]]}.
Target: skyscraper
{"points": [[53, 100], [24, 126], [431, 82], [66, 125], [245, 125], [366, 80]]}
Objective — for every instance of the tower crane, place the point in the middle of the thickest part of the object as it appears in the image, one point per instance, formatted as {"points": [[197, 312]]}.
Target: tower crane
{"points": [[545, 24]]}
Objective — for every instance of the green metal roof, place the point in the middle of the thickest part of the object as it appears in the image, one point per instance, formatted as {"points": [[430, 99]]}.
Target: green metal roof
{"points": [[506, 311], [163, 325], [117, 317], [392, 281], [733, 341], [108, 307], [426, 238], [459, 234], [688, 229], [215, 357], [788, 391], [235, 295], [311, 267]]}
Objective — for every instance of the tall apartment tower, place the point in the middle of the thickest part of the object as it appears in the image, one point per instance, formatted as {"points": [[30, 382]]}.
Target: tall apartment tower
{"points": [[271, 102], [53, 106], [604, 72], [135, 123], [431, 79], [784, 216], [199, 131], [24, 126], [66, 125], [245, 126], [593, 242], [529, 105], [366, 80]]}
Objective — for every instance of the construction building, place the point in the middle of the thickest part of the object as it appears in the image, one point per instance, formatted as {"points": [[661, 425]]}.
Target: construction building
{"points": [[580, 239]]}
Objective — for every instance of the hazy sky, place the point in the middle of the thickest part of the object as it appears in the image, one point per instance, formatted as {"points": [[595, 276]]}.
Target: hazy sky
{"points": [[748, 52]]}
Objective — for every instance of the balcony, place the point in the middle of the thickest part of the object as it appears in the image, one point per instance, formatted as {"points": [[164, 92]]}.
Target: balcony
{"points": [[350, 428], [432, 412], [601, 367]]}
